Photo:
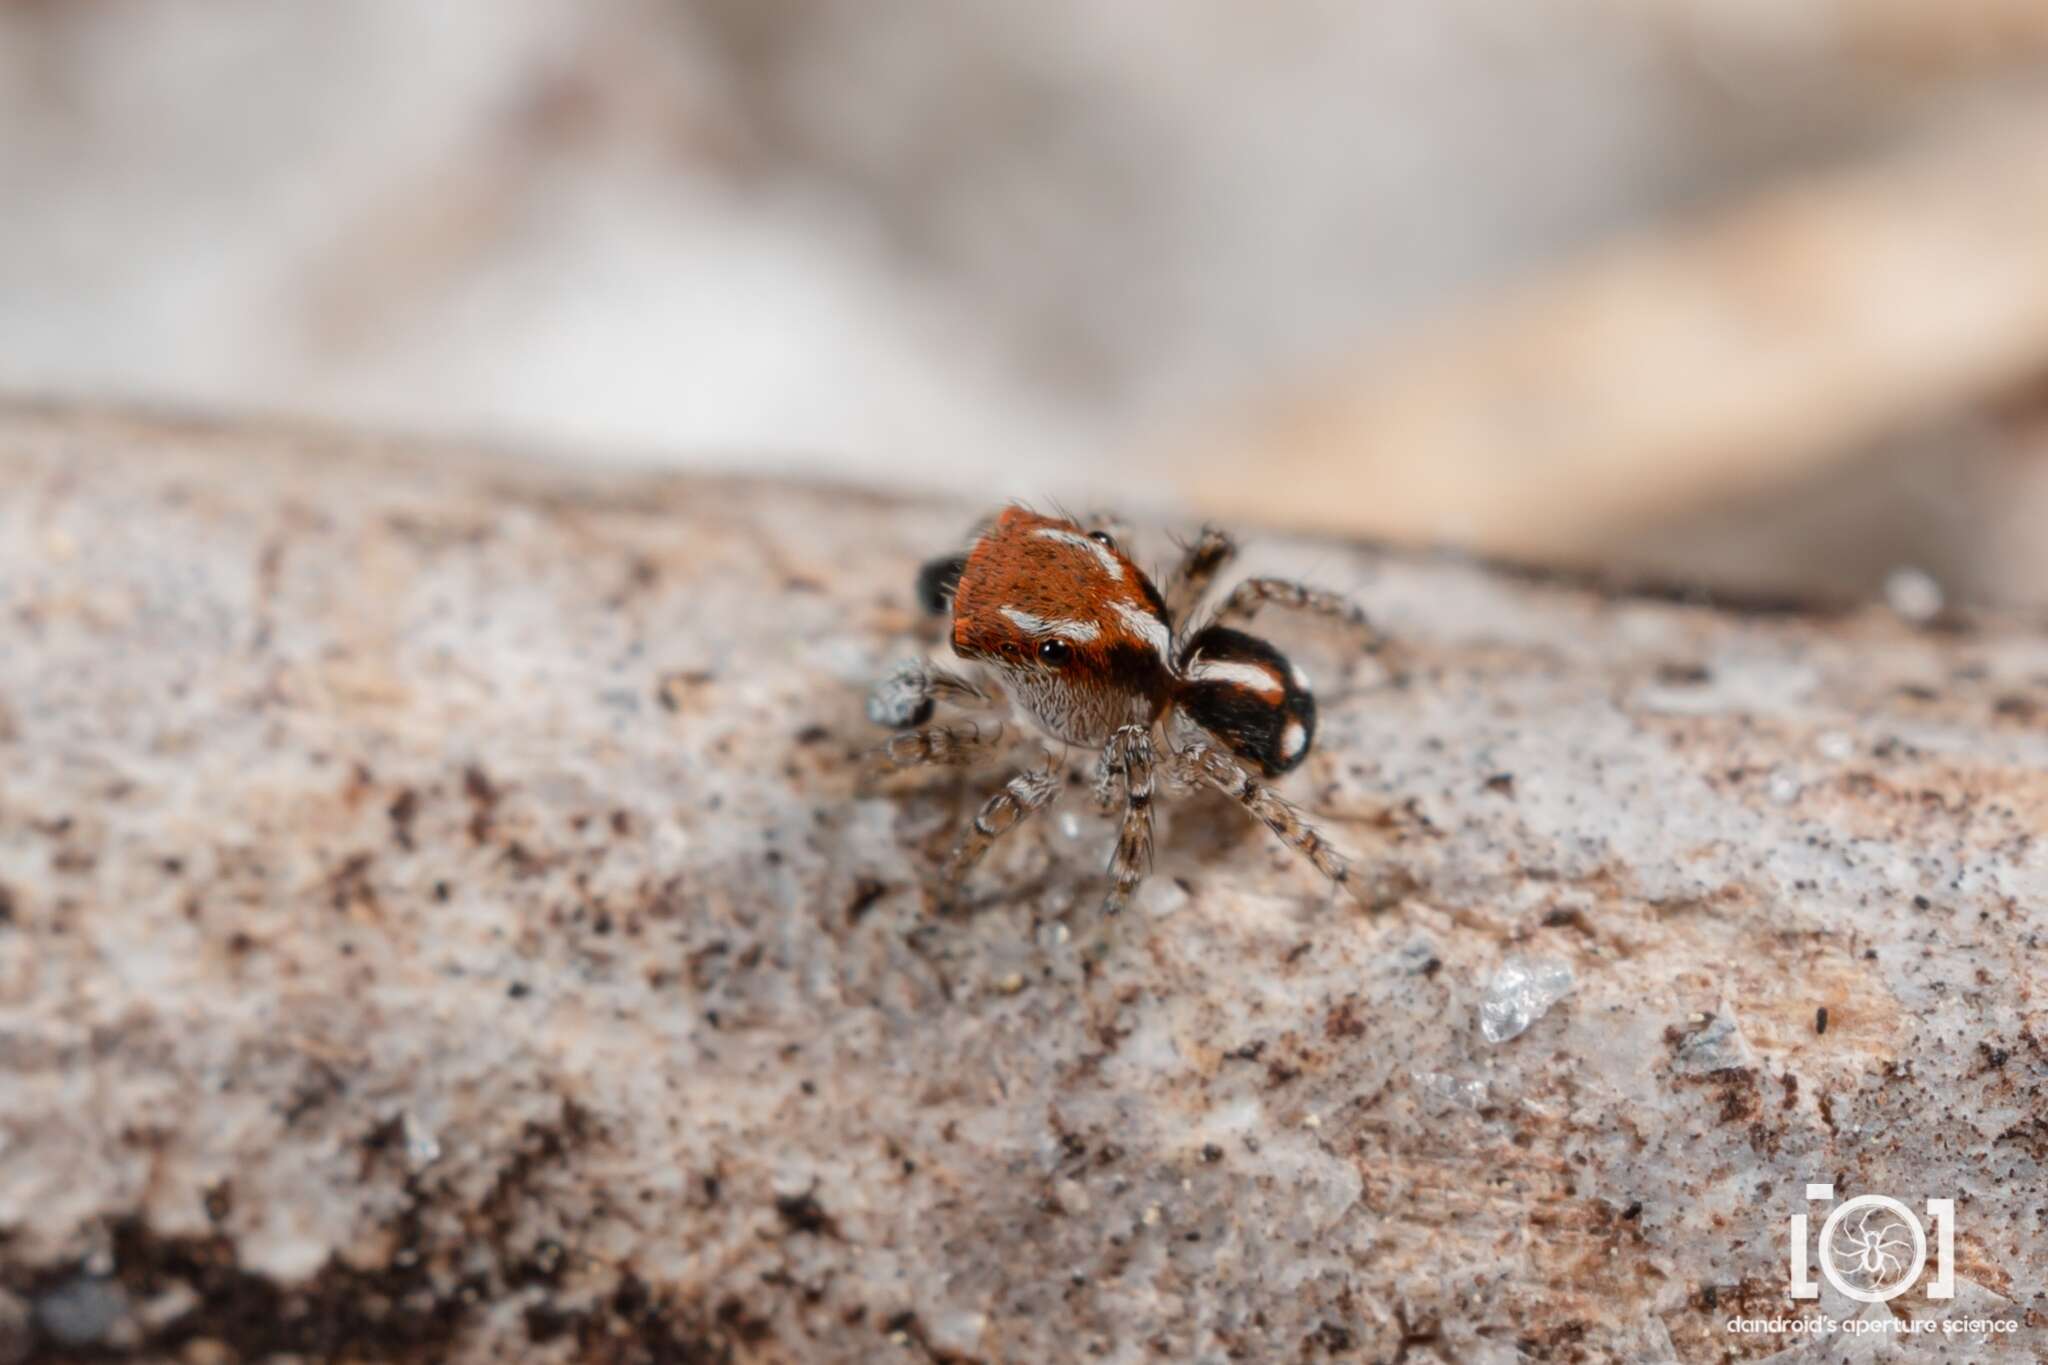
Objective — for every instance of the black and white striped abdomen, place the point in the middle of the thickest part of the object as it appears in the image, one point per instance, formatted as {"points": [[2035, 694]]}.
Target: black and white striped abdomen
{"points": [[1245, 693]]}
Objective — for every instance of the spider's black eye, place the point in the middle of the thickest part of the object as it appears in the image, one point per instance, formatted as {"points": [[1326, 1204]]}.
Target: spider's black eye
{"points": [[1055, 652], [1103, 538]]}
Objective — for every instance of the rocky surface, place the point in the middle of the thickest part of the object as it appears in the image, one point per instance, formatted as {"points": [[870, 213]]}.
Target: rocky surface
{"points": [[442, 917]]}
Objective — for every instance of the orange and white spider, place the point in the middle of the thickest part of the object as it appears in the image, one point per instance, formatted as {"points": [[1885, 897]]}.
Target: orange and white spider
{"points": [[1055, 624]]}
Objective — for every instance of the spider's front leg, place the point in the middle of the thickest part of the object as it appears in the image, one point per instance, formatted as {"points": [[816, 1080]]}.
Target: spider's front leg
{"points": [[940, 746], [908, 697], [1126, 764], [913, 689], [1203, 763], [1029, 791]]}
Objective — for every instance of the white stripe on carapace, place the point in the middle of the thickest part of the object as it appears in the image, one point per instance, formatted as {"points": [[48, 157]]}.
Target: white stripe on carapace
{"points": [[1146, 627], [1292, 739], [1080, 632], [1257, 678], [1094, 547]]}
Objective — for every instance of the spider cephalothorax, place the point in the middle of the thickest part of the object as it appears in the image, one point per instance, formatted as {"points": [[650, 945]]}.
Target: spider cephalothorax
{"points": [[1058, 624], [1077, 632]]}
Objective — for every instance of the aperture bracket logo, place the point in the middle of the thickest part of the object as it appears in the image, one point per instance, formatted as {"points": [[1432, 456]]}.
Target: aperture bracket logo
{"points": [[1873, 1248]]}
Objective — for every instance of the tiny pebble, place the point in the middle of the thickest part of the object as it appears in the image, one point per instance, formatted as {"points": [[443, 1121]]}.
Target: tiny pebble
{"points": [[422, 1148], [1913, 594], [1519, 993], [81, 1311]]}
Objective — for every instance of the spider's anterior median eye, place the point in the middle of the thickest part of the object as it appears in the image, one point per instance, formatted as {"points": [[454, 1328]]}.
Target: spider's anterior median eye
{"points": [[1055, 652]]}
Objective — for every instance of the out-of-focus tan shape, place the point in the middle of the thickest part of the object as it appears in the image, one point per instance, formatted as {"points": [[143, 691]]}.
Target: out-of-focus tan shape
{"points": [[1942, 39], [1674, 371], [1859, 38]]}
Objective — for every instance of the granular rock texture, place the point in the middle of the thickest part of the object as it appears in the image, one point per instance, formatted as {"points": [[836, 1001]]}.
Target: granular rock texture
{"points": [[443, 916]]}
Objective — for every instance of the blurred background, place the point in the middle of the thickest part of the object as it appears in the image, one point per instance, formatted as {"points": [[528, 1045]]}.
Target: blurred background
{"points": [[1745, 293]]}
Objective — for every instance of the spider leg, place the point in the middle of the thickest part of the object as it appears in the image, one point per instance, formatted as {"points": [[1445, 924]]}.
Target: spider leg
{"points": [[1106, 787], [1201, 560], [1127, 762], [940, 745], [1029, 791], [1216, 768], [936, 581], [1247, 597], [912, 689]]}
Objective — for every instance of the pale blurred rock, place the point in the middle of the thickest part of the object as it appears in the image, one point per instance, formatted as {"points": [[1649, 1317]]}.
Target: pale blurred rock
{"points": [[81, 1312], [951, 245]]}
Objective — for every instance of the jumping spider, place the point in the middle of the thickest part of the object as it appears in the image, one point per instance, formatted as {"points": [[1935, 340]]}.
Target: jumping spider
{"points": [[1059, 626]]}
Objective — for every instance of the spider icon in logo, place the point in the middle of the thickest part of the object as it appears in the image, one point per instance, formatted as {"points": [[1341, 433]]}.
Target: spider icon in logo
{"points": [[1873, 1248]]}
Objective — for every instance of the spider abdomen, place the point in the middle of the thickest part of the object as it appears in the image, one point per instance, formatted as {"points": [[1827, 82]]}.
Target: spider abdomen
{"points": [[1246, 693]]}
